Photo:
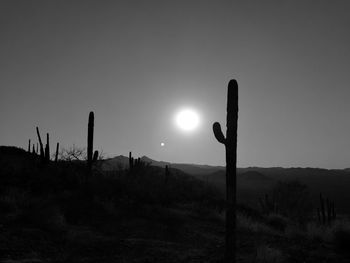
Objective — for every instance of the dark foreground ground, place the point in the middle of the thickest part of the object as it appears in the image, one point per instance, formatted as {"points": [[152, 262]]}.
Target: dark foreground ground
{"points": [[163, 235], [51, 214]]}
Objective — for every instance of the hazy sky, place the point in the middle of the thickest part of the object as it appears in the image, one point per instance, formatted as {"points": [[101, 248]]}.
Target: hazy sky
{"points": [[135, 63]]}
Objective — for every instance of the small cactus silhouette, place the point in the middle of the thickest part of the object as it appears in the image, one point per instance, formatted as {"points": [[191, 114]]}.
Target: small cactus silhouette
{"points": [[131, 161], [230, 143], [326, 213]]}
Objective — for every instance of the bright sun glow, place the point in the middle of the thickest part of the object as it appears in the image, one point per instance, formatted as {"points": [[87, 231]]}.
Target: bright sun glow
{"points": [[187, 119]]}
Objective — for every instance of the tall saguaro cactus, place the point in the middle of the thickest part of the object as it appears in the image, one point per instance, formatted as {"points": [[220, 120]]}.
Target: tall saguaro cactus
{"points": [[42, 153], [90, 140], [230, 143]]}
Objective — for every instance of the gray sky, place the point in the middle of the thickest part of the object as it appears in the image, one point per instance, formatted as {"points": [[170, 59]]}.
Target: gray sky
{"points": [[135, 63]]}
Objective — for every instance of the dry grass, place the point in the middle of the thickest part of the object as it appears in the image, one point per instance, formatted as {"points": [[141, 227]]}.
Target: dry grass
{"points": [[337, 233], [247, 223], [266, 254]]}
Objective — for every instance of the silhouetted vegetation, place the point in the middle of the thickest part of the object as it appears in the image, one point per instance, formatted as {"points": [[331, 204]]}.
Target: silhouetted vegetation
{"points": [[74, 216], [326, 213], [230, 143]]}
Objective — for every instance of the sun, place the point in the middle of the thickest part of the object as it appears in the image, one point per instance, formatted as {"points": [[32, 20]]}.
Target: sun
{"points": [[187, 119]]}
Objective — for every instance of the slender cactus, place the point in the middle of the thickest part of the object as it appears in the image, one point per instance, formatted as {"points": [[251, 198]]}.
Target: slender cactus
{"points": [[230, 143], [29, 146], [131, 161], [47, 149], [42, 153], [56, 155], [326, 212], [323, 213], [90, 140]]}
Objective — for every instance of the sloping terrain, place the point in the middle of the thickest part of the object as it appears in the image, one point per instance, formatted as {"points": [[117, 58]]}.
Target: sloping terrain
{"points": [[53, 214]]}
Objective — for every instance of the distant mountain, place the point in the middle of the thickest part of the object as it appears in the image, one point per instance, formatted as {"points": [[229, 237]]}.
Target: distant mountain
{"points": [[192, 169], [116, 163], [254, 182]]}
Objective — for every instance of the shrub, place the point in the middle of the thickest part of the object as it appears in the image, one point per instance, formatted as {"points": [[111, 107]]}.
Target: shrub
{"points": [[43, 214], [277, 222], [341, 237], [294, 232], [294, 200], [247, 223], [317, 232]]}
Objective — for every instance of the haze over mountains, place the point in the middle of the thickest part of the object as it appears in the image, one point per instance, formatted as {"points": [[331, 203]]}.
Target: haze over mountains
{"points": [[192, 169], [254, 182]]}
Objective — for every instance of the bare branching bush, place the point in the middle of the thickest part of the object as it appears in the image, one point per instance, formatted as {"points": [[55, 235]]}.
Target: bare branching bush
{"points": [[73, 153]]}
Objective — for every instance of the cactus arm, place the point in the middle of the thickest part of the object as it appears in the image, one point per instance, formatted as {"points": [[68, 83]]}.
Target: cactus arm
{"points": [[218, 133]]}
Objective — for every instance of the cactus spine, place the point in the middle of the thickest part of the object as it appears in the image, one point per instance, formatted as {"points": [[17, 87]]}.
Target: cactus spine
{"points": [[230, 143]]}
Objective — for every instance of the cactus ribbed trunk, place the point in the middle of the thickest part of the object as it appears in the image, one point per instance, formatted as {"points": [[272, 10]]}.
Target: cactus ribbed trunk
{"points": [[231, 160], [90, 140], [230, 143]]}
